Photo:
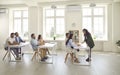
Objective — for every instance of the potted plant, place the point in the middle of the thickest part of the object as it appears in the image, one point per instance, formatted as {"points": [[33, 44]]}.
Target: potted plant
{"points": [[118, 43]]}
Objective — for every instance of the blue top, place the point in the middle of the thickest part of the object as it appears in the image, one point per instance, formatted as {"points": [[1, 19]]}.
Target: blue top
{"points": [[34, 44], [18, 39]]}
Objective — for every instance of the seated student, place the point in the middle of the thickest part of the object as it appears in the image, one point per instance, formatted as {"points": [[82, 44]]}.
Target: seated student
{"points": [[42, 42], [11, 41], [18, 39], [35, 45], [71, 44], [68, 50]]}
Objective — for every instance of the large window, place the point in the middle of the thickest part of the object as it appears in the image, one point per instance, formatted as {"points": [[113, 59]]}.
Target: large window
{"points": [[20, 22], [94, 19], [54, 23]]}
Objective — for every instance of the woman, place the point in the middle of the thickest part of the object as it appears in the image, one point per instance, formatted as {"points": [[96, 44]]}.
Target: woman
{"points": [[71, 44], [89, 41], [44, 50]]}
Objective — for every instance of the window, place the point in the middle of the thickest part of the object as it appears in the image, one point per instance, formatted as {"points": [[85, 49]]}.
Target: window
{"points": [[54, 23], [94, 19], [20, 22]]}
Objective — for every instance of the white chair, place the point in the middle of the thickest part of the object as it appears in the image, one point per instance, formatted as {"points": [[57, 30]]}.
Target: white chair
{"points": [[7, 52], [69, 52], [36, 54]]}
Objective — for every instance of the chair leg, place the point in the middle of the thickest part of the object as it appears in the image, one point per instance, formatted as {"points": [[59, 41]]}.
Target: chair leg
{"points": [[5, 55], [66, 57], [12, 54], [34, 55]]}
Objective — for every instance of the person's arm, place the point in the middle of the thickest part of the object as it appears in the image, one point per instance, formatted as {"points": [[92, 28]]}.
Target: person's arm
{"points": [[72, 43], [84, 39], [14, 43], [21, 40]]}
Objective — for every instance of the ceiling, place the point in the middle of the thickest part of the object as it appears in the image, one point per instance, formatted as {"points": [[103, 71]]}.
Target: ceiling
{"points": [[35, 2]]}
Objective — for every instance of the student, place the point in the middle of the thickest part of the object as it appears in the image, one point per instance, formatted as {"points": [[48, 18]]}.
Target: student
{"points": [[71, 44], [89, 41], [19, 40], [35, 45], [67, 36], [42, 42], [11, 41]]}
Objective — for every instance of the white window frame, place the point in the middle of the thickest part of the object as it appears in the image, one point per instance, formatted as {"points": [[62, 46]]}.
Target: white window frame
{"points": [[21, 18], [54, 17], [104, 16]]}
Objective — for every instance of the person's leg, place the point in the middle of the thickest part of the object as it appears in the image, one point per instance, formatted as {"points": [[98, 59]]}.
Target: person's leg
{"points": [[75, 54], [15, 51], [89, 55]]}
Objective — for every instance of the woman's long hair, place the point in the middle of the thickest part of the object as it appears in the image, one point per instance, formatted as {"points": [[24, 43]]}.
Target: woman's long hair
{"points": [[70, 37], [39, 37], [87, 33]]}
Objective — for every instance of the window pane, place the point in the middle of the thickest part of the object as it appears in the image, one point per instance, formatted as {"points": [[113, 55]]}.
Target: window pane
{"points": [[98, 11], [60, 12], [50, 27], [17, 14], [49, 12], [25, 25], [87, 23], [87, 11], [60, 26], [98, 27], [17, 25], [25, 13]]}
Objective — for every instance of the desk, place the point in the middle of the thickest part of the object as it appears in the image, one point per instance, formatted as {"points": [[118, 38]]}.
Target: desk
{"points": [[83, 58], [50, 46], [15, 46]]}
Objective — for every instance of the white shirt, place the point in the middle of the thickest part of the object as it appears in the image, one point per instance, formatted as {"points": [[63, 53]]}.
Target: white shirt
{"points": [[71, 44], [11, 40]]}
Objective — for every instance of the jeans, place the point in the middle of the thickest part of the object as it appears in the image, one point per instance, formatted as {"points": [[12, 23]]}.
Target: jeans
{"points": [[15, 50]]}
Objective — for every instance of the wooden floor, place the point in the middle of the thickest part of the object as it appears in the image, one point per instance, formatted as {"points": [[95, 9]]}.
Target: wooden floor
{"points": [[102, 64]]}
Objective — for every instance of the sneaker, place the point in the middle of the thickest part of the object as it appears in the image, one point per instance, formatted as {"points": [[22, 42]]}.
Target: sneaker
{"points": [[88, 59], [18, 58], [46, 57], [43, 59]]}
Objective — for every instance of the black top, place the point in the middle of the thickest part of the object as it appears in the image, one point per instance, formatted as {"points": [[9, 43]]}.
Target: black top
{"points": [[89, 41]]}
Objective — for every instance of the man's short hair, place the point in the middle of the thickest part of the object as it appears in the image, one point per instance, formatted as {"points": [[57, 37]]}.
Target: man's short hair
{"points": [[32, 34]]}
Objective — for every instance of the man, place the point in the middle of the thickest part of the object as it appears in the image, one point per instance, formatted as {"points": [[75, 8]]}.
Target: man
{"points": [[18, 40], [11, 41]]}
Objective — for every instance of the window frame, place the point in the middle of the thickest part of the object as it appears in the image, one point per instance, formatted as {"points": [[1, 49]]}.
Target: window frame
{"points": [[21, 18], [92, 16], [54, 17]]}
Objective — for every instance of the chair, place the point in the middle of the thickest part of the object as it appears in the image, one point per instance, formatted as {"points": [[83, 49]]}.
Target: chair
{"points": [[8, 53], [35, 54], [69, 52]]}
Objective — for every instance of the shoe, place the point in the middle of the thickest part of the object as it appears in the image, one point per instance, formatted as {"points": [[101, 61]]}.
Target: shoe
{"points": [[76, 61], [43, 59], [46, 57], [18, 58], [22, 54], [88, 59]]}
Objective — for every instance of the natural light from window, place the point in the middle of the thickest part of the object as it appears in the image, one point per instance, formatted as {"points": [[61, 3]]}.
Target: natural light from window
{"points": [[94, 19], [54, 23]]}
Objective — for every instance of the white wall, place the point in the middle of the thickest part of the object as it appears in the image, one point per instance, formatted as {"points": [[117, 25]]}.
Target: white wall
{"points": [[33, 20], [116, 25], [36, 26], [4, 30]]}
